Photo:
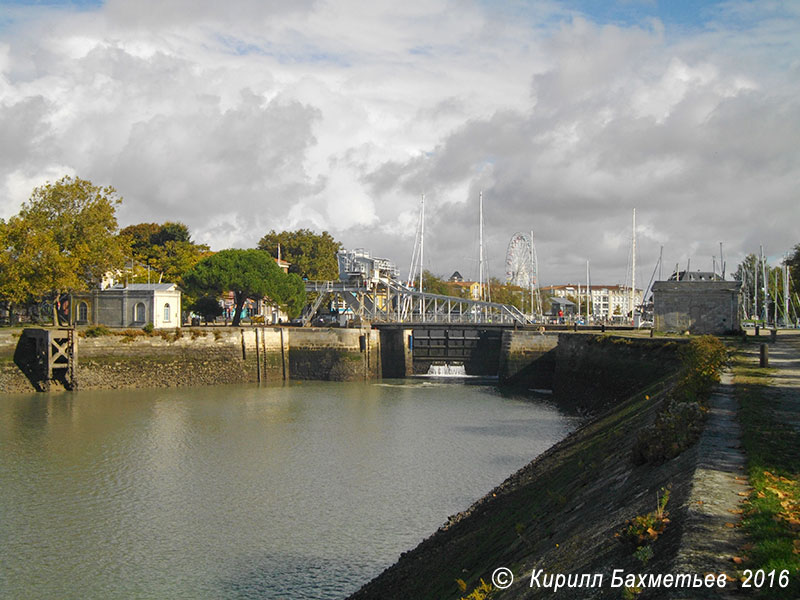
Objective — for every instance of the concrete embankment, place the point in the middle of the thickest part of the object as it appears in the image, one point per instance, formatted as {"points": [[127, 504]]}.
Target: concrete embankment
{"points": [[202, 356], [560, 515]]}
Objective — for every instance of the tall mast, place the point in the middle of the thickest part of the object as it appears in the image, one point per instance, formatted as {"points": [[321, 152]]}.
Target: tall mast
{"points": [[588, 291], [422, 242], [755, 289], [765, 283], [775, 302], [533, 273], [480, 245], [633, 263], [786, 294]]}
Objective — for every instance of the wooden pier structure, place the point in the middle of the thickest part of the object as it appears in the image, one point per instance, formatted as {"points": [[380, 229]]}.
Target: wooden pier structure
{"points": [[56, 356]]}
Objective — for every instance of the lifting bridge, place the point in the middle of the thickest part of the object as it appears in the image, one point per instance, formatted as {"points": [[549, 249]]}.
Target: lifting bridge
{"points": [[388, 301]]}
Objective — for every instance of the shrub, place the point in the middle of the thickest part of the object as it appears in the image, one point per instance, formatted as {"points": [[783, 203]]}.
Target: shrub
{"points": [[676, 428], [96, 331], [680, 423], [148, 329], [703, 360]]}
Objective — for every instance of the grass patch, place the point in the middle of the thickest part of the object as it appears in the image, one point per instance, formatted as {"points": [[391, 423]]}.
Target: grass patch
{"points": [[772, 511]]}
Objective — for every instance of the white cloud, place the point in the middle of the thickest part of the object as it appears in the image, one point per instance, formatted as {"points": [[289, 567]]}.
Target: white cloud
{"points": [[331, 115]]}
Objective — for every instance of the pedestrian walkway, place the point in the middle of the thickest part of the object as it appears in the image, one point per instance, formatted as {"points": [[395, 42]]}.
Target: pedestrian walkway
{"points": [[710, 537], [784, 358]]}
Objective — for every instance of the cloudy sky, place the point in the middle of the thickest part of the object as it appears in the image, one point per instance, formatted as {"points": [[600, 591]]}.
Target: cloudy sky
{"points": [[244, 116]]}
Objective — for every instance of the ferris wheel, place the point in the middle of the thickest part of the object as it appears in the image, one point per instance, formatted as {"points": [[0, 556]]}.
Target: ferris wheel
{"points": [[522, 269]]}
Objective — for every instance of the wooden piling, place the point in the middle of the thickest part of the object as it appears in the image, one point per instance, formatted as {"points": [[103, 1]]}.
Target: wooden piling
{"points": [[258, 356]]}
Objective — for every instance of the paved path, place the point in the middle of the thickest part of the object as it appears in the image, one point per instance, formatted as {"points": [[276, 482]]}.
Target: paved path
{"points": [[784, 357], [710, 538], [719, 485]]}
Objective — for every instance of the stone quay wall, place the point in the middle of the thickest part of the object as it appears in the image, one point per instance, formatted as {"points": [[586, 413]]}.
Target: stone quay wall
{"points": [[597, 371], [205, 356], [528, 356]]}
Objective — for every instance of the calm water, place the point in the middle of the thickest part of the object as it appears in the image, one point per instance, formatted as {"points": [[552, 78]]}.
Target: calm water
{"points": [[302, 491]]}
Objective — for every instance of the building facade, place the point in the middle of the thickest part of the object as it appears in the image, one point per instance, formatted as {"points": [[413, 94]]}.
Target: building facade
{"points": [[697, 306], [132, 305], [608, 302]]}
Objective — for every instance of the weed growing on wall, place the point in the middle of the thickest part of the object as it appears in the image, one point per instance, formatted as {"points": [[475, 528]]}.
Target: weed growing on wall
{"points": [[482, 592], [644, 529]]}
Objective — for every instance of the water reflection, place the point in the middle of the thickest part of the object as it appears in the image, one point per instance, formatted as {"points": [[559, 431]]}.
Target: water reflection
{"points": [[298, 491]]}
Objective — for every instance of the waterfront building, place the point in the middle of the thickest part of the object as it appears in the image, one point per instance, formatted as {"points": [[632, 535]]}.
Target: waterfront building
{"points": [[697, 305], [131, 305], [360, 266], [608, 302]]}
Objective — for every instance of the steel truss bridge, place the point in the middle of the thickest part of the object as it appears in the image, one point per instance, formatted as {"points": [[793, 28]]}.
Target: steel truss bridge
{"points": [[391, 302]]}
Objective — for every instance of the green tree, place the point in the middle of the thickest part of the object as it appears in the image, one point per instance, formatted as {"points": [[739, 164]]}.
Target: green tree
{"points": [[64, 238], [207, 307], [167, 249], [507, 294], [433, 284], [311, 255], [248, 274]]}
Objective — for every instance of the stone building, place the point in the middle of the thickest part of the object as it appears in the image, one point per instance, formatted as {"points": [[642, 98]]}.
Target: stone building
{"points": [[697, 306], [134, 305]]}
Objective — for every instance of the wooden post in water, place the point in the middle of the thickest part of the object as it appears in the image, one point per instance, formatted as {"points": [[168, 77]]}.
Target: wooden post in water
{"points": [[283, 356], [258, 356], [264, 352]]}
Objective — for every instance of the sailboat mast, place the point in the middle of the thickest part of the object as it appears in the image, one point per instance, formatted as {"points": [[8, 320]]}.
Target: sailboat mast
{"points": [[755, 289], [480, 245], [588, 291], [533, 273], [633, 263], [422, 242], [786, 294], [765, 283]]}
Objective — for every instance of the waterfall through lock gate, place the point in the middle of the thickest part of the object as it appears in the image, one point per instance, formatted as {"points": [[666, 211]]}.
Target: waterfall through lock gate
{"points": [[447, 370]]}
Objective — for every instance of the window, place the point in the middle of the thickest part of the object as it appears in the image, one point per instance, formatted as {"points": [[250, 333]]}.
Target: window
{"points": [[139, 313], [166, 313], [83, 311]]}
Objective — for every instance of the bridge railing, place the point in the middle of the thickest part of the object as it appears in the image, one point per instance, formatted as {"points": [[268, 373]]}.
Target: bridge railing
{"points": [[390, 301]]}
